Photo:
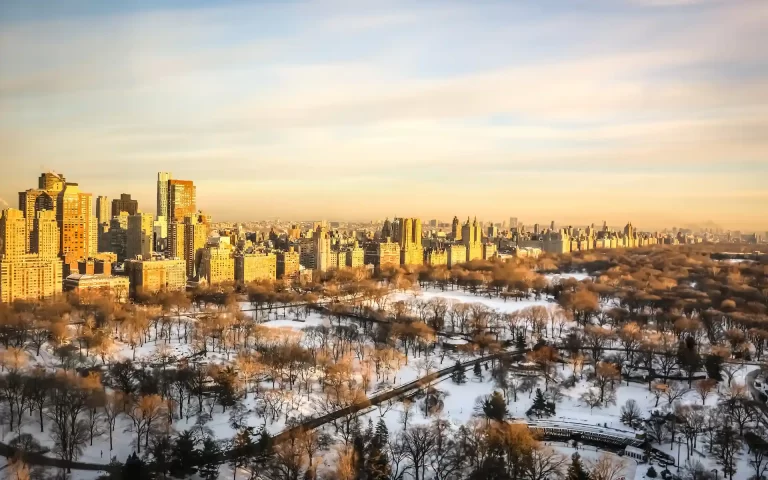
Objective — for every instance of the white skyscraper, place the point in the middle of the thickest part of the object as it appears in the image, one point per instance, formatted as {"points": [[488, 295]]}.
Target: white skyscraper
{"points": [[161, 222], [162, 194]]}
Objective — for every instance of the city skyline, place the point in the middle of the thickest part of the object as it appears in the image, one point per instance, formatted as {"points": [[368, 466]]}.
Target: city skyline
{"points": [[654, 111]]}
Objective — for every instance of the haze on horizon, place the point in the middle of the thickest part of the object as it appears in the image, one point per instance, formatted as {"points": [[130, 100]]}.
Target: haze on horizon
{"points": [[654, 111]]}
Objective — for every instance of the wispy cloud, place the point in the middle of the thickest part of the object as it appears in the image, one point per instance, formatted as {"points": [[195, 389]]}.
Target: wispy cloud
{"points": [[336, 95]]}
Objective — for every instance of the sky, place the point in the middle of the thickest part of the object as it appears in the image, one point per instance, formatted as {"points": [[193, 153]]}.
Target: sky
{"points": [[654, 111]]}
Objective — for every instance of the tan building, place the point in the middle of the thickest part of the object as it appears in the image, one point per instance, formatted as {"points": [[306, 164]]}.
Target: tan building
{"points": [[250, 267], [387, 253], [489, 251], [288, 263], [322, 247], [77, 224], [435, 257], [176, 241], [457, 254], [33, 201], [181, 199], [156, 275], [26, 275], [472, 237], [139, 236], [98, 284], [411, 250], [456, 229], [355, 256], [45, 197], [102, 210], [217, 264], [45, 235]]}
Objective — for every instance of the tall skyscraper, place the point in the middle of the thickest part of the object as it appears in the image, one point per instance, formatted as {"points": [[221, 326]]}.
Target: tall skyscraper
{"points": [[77, 224], [181, 199], [12, 234], [322, 247], [102, 210], [196, 229], [162, 194], [162, 221], [411, 251], [472, 236], [512, 223], [455, 229], [124, 204], [45, 235]]}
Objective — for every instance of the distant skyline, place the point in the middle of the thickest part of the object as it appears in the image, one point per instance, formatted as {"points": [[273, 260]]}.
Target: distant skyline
{"points": [[654, 111]]}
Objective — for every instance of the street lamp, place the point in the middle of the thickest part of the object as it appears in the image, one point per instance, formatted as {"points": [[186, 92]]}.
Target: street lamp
{"points": [[714, 470]]}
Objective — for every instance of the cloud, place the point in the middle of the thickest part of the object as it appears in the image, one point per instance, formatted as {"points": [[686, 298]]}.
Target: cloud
{"points": [[4, 203], [518, 101]]}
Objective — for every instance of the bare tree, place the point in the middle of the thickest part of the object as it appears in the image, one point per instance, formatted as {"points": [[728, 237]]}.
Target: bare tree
{"points": [[607, 467]]}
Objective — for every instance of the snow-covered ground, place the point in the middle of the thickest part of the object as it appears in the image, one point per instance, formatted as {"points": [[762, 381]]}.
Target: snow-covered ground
{"points": [[459, 400]]}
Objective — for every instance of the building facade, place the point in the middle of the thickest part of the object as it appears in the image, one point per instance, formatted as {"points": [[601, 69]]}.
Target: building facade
{"points": [[156, 275], [124, 204], [288, 263], [140, 235], [25, 275], [251, 267], [181, 199]]}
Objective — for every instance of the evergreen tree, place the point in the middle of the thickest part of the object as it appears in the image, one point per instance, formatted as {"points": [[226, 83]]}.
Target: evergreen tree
{"points": [[134, 467], [541, 407], [651, 473], [478, 371], [210, 460], [161, 452], [576, 469], [492, 468], [714, 367], [494, 407], [243, 448], [382, 432], [184, 457], [459, 375]]}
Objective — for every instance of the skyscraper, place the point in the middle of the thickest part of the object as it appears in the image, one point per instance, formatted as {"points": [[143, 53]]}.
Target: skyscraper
{"points": [[411, 251], [195, 236], [472, 236], [181, 199], [140, 235], [12, 234], [322, 247], [45, 235], [162, 194], [162, 221], [102, 210], [455, 229], [77, 224], [512, 223], [26, 275]]}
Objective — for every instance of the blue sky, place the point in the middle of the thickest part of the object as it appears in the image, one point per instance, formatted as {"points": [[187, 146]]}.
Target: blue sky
{"points": [[577, 110]]}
